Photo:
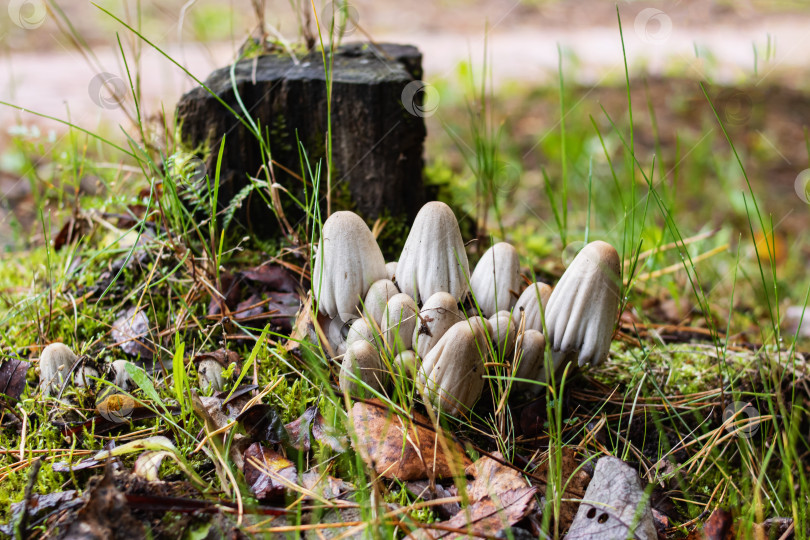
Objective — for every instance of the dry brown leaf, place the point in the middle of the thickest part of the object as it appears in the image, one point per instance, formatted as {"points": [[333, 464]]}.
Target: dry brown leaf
{"points": [[487, 517], [397, 448], [719, 526], [266, 470], [492, 478]]}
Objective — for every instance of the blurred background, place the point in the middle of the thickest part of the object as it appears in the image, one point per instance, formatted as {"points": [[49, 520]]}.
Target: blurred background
{"points": [[541, 82]]}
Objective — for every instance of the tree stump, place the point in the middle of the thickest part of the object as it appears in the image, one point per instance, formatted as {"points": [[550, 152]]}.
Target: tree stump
{"points": [[377, 144]]}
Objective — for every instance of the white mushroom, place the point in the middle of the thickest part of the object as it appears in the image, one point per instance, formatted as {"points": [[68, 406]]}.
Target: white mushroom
{"points": [[391, 268], [452, 374], [336, 332], [359, 331], [433, 258], [209, 373], [347, 263], [530, 362], [361, 363], [121, 376], [582, 309], [495, 278], [398, 322], [406, 363], [504, 333], [54, 363], [85, 377], [528, 306], [437, 315], [380, 292]]}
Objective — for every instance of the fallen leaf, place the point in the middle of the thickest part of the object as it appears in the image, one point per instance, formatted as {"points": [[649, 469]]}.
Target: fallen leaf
{"points": [[272, 276], [299, 430], [262, 470], [397, 448], [130, 332], [40, 507], [12, 377], [719, 526], [328, 435], [262, 422], [73, 229], [614, 505], [492, 477], [326, 486], [576, 479], [283, 308], [488, 517]]}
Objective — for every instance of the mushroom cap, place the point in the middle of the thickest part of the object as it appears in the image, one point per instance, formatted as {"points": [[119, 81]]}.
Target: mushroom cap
{"points": [[398, 322], [209, 373], [360, 331], [361, 363], [391, 268], [54, 362], [438, 314], [452, 373], [495, 278], [582, 309], [380, 292], [504, 333], [348, 261], [528, 306], [433, 258], [337, 332], [121, 377], [531, 361], [406, 363]]}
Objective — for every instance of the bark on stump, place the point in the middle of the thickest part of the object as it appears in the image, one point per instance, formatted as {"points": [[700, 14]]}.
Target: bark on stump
{"points": [[377, 143]]}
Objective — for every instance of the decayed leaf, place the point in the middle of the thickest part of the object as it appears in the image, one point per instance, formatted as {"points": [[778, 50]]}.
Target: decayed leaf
{"points": [[397, 448], [264, 469], [272, 276], [719, 526], [262, 422], [40, 507], [12, 377], [487, 517], [130, 332], [312, 420], [325, 486], [614, 505], [576, 480], [492, 478]]}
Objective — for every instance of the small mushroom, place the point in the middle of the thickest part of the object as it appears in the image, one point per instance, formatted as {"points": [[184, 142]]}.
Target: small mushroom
{"points": [[360, 331], [348, 261], [54, 363], [530, 362], [391, 268], [398, 322], [528, 306], [437, 315], [85, 377], [121, 377], [336, 332], [495, 278], [452, 374], [361, 363], [504, 333], [582, 309], [209, 373], [380, 292], [433, 258], [406, 363]]}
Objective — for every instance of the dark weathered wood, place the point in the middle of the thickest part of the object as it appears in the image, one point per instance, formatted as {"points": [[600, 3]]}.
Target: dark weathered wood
{"points": [[377, 144]]}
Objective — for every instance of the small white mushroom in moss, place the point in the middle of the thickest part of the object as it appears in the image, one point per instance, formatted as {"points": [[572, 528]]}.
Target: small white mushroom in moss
{"points": [[437, 315], [360, 331], [504, 334], [496, 279], [348, 261], [380, 292], [361, 363], [530, 362], [209, 373], [336, 332], [85, 377], [582, 309], [433, 258], [121, 377], [452, 374], [530, 305], [54, 364], [391, 268], [398, 322], [406, 363]]}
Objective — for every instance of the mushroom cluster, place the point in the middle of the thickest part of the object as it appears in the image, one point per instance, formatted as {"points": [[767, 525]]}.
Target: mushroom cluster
{"points": [[427, 319]]}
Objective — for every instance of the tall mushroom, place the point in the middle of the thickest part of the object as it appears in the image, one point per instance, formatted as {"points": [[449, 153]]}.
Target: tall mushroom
{"points": [[433, 258], [495, 277], [582, 309], [398, 322], [380, 292], [54, 364], [530, 362], [348, 261]]}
